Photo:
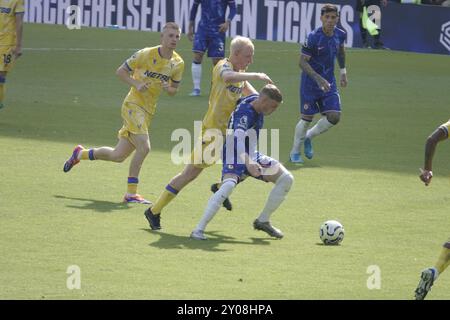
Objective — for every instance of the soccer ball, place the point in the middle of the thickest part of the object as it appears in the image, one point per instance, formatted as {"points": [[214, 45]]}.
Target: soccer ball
{"points": [[331, 232]]}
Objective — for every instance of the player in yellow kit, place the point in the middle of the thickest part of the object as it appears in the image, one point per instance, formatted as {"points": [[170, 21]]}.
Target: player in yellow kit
{"points": [[429, 275], [229, 82], [11, 26], [149, 72]]}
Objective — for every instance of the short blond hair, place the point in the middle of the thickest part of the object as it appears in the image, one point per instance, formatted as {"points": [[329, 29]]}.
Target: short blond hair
{"points": [[239, 42], [171, 25]]}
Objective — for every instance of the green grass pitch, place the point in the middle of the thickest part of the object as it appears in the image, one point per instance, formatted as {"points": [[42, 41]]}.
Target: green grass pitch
{"points": [[64, 92]]}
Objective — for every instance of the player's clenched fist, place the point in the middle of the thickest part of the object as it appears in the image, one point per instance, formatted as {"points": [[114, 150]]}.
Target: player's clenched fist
{"points": [[265, 77], [141, 86], [254, 169], [425, 176]]}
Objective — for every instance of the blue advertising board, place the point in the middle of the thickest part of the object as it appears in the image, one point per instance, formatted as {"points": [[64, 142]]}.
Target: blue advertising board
{"points": [[406, 27]]}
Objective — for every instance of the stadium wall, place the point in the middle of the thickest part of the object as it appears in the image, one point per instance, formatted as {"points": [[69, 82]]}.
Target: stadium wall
{"points": [[405, 27]]}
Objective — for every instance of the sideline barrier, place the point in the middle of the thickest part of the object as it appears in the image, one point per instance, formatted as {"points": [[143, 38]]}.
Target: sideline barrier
{"points": [[406, 27]]}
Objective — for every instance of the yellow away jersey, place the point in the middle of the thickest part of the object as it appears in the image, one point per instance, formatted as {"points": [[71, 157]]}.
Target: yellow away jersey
{"points": [[446, 127], [148, 66], [8, 11], [222, 99]]}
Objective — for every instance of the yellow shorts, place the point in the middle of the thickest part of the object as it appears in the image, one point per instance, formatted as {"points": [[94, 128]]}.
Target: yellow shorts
{"points": [[208, 149], [136, 120], [7, 58]]}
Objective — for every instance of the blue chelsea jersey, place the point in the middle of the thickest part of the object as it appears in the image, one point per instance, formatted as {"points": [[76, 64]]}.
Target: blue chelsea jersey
{"points": [[322, 50], [245, 118], [213, 12]]}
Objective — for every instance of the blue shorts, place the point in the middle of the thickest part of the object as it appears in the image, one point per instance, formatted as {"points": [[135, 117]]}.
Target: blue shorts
{"points": [[324, 102], [213, 42], [241, 171]]}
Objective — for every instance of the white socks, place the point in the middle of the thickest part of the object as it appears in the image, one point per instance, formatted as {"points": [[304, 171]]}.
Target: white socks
{"points": [[277, 196], [215, 202], [321, 126], [196, 74], [299, 136]]}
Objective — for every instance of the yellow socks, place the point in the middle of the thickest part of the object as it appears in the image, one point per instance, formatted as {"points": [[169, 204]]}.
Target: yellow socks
{"points": [[87, 154], [132, 185], [164, 199], [443, 260]]}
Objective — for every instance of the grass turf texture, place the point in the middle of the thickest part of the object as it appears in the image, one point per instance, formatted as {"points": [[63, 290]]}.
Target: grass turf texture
{"points": [[364, 174]]}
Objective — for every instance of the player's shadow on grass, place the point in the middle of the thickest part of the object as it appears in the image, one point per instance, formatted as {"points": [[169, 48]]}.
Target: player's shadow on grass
{"points": [[171, 241], [321, 244], [293, 167], [95, 205]]}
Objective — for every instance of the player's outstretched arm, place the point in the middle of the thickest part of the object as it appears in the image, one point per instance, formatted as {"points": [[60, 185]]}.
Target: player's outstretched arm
{"points": [[306, 67], [430, 147], [233, 76], [248, 89]]}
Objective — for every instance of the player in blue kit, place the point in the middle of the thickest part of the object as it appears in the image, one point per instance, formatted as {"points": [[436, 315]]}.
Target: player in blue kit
{"points": [[210, 34], [318, 89], [241, 159]]}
